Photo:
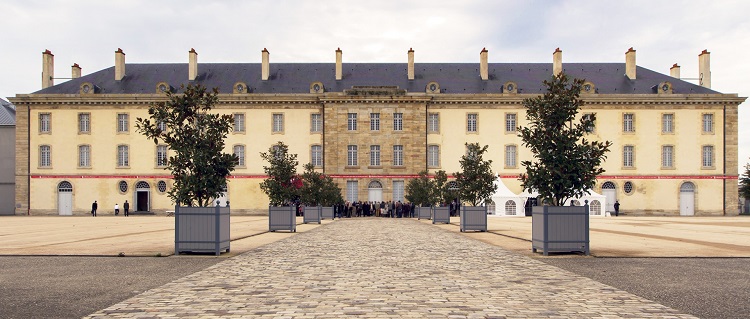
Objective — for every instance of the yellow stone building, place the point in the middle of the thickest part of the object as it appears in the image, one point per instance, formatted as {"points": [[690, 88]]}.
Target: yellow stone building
{"points": [[372, 127]]}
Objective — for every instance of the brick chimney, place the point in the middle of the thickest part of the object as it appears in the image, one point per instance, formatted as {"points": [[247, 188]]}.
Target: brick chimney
{"points": [[265, 69], [557, 62], [339, 66], [704, 67], [630, 64], [76, 71], [192, 64], [119, 64], [674, 71], [48, 69], [410, 68], [484, 69]]}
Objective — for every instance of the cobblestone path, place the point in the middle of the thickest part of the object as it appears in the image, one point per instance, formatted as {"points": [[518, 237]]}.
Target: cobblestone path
{"points": [[384, 268]]}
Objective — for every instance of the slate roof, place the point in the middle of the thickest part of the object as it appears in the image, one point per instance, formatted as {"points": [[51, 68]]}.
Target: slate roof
{"points": [[7, 113], [608, 78]]}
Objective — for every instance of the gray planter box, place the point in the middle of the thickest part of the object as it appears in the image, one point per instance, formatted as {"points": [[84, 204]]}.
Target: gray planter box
{"points": [[311, 214], [424, 212], [473, 218], [441, 215], [327, 213], [560, 229], [282, 218], [201, 229]]}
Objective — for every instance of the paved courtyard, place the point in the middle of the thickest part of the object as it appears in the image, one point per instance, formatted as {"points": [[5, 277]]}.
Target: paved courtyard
{"points": [[384, 269]]}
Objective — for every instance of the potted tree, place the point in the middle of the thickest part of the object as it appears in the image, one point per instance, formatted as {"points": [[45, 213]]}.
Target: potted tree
{"points": [[421, 192], [443, 195], [318, 193], [198, 165], [565, 165], [476, 186], [282, 187]]}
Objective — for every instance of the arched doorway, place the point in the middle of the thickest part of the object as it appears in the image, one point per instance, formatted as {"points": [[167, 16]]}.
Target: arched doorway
{"points": [[610, 193], [687, 199], [375, 191], [65, 198], [142, 198]]}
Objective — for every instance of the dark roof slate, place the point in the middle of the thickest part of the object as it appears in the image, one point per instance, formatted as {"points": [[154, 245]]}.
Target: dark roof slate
{"points": [[7, 113], [608, 78]]}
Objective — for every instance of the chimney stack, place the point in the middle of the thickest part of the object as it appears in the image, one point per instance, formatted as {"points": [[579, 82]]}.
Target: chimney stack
{"points": [[674, 71], [630, 64], [339, 67], [265, 69], [410, 69], [76, 71], [119, 64], [704, 67], [192, 64], [557, 62], [48, 69], [484, 69]]}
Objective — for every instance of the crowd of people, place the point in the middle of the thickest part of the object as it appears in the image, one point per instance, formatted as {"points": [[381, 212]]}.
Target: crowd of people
{"points": [[389, 209]]}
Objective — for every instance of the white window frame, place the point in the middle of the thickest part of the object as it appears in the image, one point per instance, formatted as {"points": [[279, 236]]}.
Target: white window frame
{"points": [[352, 191], [239, 123], [84, 156], [433, 122], [161, 155], [239, 150], [277, 123], [374, 155], [398, 191], [471, 122], [45, 123], [433, 155], [628, 122], [667, 123], [84, 123], [316, 123], [398, 121], [628, 156], [398, 155], [351, 121], [667, 156], [351, 155], [707, 156], [316, 155], [374, 121], [511, 122], [707, 120], [45, 156], [123, 156], [511, 156], [123, 122]]}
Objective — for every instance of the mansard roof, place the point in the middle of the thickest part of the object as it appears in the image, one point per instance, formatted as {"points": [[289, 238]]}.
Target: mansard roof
{"points": [[7, 114], [295, 78]]}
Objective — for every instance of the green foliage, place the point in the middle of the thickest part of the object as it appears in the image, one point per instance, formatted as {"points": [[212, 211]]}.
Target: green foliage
{"points": [[441, 192], [283, 183], [196, 139], [421, 190], [318, 189], [745, 183], [476, 179], [565, 163]]}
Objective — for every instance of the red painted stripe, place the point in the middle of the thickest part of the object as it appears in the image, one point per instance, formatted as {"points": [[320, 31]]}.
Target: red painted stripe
{"points": [[651, 177], [256, 176]]}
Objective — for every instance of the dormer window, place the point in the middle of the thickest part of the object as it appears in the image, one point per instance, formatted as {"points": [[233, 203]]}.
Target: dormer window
{"points": [[588, 88], [510, 87], [433, 87], [163, 87], [240, 88]]}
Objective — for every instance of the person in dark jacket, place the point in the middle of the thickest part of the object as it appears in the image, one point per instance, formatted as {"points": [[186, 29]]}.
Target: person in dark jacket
{"points": [[617, 208], [94, 206], [126, 207]]}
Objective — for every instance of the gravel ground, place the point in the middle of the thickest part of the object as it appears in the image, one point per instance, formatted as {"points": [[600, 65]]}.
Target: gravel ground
{"points": [[704, 287], [72, 287]]}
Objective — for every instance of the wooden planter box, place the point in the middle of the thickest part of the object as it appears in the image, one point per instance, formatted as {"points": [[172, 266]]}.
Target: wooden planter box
{"points": [[282, 218], [327, 213], [560, 229], [311, 214], [201, 229], [473, 218], [424, 213], [441, 215]]}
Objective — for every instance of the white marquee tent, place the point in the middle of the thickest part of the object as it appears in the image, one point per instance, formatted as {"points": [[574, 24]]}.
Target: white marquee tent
{"points": [[597, 202], [506, 202]]}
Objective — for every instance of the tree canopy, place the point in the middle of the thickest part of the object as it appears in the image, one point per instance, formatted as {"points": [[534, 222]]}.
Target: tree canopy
{"points": [[318, 189], [283, 183], [421, 190], [196, 139], [476, 179], [565, 164], [745, 183]]}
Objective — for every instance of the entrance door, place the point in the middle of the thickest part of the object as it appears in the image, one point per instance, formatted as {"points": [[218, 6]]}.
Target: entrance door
{"points": [[142, 197], [375, 192], [610, 193], [687, 199], [65, 198]]}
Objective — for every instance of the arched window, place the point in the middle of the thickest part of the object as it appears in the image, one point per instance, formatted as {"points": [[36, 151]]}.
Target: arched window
{"points": [[142, 185], [123, 186], [510, 207], [64, 187], [608, 185], [375, 184], [687, 187], [595, 208], [453, 185]]}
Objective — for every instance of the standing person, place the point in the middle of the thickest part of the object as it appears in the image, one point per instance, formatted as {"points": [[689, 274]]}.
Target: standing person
{"points": [[126, 207], [117, 209], [617, 208], [94, 206]]}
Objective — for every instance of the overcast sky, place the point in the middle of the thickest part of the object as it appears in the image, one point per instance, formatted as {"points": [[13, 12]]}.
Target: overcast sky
{"points": [[662, 32]]}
